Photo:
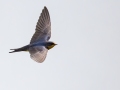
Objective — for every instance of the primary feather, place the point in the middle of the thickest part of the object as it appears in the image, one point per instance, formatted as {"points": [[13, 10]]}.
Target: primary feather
{"points": [[43, 27]]}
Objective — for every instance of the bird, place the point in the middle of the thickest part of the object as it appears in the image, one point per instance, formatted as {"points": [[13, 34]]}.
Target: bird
{"points": [[39, 43]]}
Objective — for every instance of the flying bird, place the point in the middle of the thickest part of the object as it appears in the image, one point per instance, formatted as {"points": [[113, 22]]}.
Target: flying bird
{"points": [[39, 44]]}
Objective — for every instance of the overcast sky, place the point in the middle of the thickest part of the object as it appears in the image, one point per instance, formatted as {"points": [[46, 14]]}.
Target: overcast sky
{"points": [[87, 56]]}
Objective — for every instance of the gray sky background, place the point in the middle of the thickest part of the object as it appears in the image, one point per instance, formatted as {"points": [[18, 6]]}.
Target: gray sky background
{"points": [[87, 56]]}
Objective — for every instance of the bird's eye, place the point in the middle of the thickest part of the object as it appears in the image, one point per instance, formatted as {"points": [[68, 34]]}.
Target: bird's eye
{"points": [[51, 44]]}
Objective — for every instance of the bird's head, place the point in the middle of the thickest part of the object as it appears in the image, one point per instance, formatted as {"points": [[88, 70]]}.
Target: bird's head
{"points": [[50, 45]]}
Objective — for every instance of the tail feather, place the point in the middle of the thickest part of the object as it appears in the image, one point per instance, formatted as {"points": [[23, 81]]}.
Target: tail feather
{"points": [[24, 48]]}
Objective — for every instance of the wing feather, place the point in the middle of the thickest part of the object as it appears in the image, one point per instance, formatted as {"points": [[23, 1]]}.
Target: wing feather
{"points": [[38, 53], [43, 27]]}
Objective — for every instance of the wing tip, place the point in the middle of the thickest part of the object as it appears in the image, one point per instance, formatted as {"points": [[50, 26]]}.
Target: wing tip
{"points": [[45, 7]]}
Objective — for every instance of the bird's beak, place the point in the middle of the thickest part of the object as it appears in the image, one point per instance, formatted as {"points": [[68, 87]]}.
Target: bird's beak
{"points": [[56, 44]]}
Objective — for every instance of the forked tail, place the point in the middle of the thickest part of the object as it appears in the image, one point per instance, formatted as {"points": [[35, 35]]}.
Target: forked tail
{"points": [[24, 48]]}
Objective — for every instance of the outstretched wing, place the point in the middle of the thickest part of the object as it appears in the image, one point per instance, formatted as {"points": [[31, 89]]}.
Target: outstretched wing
{"points": [[43, 27], [38, 53]]}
